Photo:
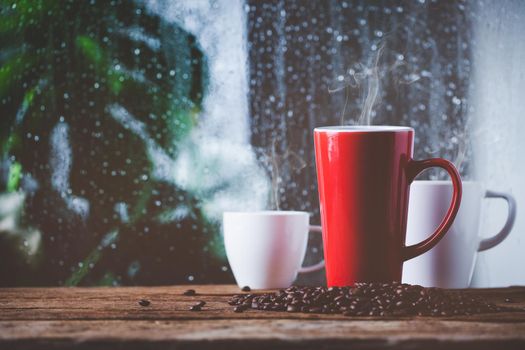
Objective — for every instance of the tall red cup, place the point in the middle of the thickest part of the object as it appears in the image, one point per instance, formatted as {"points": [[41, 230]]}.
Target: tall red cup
{"points": [[364, 174]]}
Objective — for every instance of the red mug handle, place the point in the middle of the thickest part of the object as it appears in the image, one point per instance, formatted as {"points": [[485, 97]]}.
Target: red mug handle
{"points": [[413, 169]]}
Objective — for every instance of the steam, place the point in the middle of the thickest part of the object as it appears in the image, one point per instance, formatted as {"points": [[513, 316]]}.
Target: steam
{"points": [[278, 167], [371, 77], [366, 78], [463, 146], [274, 175], [460, 140]]}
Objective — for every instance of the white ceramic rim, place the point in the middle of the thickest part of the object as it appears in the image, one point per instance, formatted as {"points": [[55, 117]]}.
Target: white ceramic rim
{"points": [[267, 213], [363, 128], [442, 182]]}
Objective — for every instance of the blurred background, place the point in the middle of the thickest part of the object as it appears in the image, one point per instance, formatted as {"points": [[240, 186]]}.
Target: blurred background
{"points": [[128, 127]]}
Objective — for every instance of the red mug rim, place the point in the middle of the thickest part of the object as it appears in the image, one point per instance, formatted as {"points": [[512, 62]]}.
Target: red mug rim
{"points": [[363, 128]]}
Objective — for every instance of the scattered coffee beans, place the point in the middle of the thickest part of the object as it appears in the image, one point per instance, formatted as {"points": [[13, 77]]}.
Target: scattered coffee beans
{"points": [[239, 308], [366, 299], [144, 302], [198, 306], [189, 292], [246, 289]]}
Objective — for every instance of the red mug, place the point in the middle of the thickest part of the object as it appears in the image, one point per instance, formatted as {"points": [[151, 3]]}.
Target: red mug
{"points": [[364, 174]]}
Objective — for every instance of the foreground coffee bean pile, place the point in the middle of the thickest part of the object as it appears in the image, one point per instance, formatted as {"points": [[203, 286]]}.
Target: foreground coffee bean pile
{"points": [[366, 299]]}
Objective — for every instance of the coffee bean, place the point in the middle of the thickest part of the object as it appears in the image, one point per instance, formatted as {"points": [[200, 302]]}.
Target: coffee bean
{"points": [[367, 299], [292, 308], [189, 292], [144, 302], [239, 309], [400, 304], [246, 289], [305, 309]]}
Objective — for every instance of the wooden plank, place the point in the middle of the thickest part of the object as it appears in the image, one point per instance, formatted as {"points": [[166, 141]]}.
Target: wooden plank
{"points": [[168, 303], [243, 334], [108, 318]]}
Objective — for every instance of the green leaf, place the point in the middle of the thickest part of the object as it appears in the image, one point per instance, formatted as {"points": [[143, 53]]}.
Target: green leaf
{"points": [[7, 144], [15, 174], [115, 81], [91, 49], [106, 280]]}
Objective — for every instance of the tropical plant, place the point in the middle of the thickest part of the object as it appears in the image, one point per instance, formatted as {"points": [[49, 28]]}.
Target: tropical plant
{"points": [[93, 96]]}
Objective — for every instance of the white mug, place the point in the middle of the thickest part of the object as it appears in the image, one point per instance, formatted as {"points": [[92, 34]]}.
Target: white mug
{"points": [[265, 249], [451, 262]]}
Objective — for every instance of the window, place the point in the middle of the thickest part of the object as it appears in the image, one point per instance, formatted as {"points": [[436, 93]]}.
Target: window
{"points": [[127, 128]]}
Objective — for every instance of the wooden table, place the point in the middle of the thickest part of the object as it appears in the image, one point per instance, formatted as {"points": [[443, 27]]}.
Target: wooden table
{"points": [[111, 318]]}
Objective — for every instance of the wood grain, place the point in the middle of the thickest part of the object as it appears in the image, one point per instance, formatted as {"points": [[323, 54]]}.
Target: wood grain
{"points": [[42, 318]]}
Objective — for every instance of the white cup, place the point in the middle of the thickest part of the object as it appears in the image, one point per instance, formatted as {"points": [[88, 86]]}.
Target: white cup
{"points": [[451, 262], [265, 249]]}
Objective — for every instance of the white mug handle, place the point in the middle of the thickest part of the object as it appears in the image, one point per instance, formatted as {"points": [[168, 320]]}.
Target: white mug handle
{"points": [[320, 264], [497, 239]]}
